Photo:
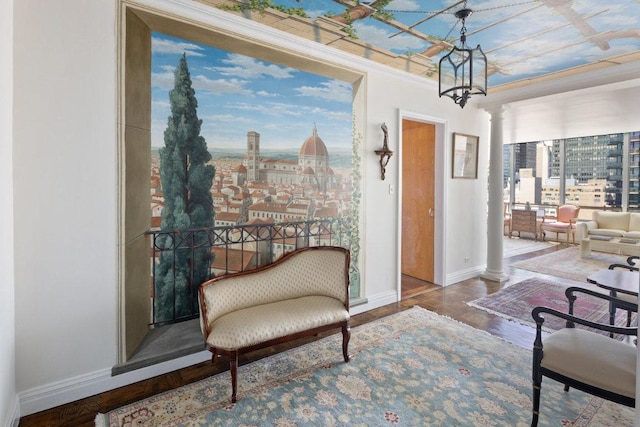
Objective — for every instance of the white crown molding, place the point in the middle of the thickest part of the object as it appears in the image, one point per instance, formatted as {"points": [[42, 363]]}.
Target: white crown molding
{"points": [[200, 14]]}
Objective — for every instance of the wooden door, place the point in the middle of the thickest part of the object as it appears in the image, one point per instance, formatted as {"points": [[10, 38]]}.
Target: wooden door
{"points": [[418, 210]]}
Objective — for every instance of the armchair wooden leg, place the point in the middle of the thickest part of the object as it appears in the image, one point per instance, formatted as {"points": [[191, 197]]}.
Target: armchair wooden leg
{"points": [[536, 376], [536, 404]]}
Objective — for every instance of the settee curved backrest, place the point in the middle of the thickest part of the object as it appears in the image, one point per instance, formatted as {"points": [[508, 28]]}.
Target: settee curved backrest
{"points": [[314, 271]]}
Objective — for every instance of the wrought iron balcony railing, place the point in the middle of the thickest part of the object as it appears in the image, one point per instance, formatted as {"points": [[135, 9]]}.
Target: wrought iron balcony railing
{"points": [[183, 259]]}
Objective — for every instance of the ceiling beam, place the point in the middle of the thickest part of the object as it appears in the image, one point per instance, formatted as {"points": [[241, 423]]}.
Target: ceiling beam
{"points": [[433, 15]]}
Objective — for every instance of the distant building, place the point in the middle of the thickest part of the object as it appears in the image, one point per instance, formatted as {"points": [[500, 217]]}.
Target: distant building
{"points": [[530, 187], [312, 167], [229, 219], [591, 194], [585, 158], [299, 210], [231, 261]]}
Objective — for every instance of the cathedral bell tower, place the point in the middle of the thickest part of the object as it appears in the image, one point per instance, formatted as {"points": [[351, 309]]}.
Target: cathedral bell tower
{"points": [[253, 156]]}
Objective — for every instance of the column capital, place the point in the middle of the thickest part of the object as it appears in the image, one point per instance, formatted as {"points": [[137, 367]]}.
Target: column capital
{"points": [[496, 110]]}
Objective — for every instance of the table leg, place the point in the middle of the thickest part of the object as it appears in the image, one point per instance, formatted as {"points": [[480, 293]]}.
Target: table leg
{"points": [[585, 248], [612, 312]]}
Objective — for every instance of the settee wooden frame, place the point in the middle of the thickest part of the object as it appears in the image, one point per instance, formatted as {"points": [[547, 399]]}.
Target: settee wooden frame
{"points": [[234, 354]]}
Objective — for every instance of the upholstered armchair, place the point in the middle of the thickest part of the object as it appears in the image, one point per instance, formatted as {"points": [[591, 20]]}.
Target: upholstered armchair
{"points": [[564, 222], [571, 356]]}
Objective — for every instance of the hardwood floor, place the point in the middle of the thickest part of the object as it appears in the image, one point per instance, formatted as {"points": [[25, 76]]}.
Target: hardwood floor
{"points": [[450, 301]]}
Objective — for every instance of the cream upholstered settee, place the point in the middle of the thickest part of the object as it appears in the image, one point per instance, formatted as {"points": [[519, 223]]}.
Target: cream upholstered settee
{"points": [[611, 224], [303, 293]]}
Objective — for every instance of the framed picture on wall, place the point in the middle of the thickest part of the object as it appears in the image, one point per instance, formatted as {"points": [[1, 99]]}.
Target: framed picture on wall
{"points": [[465, 156]]}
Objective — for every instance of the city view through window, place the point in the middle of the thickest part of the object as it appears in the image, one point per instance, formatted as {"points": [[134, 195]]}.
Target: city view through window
{"points": [[593, 172]]}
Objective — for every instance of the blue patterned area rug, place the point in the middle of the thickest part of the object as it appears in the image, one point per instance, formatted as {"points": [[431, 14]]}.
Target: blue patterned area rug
{"points": [[413, 368]]}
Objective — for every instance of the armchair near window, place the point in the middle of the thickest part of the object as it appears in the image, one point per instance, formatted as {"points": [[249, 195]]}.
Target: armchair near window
{"points": [[564, 222], [571, 356]]}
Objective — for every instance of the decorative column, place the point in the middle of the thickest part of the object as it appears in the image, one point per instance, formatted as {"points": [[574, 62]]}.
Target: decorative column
{"points": [[495, 222]]}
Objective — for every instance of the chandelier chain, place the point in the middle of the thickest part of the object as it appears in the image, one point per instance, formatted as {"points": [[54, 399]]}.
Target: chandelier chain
{"points": [[463, 28], [451, 30]]}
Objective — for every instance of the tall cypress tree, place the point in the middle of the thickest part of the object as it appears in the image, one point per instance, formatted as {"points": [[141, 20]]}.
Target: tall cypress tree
{"points": [[186, 183]]}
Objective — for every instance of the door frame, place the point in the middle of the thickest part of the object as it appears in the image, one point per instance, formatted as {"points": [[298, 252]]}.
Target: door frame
{"points": [[440, 190]]}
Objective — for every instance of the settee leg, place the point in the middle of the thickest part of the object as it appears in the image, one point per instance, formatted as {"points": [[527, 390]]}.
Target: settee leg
{"points": [[233, 367], [346, 336]]}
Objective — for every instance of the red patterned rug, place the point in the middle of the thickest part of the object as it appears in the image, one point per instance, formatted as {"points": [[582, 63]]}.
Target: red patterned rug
{"points": [[516, 302]]}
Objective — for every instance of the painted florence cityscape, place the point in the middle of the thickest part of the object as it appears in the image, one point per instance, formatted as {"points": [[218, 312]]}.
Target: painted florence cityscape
{"points": [[280, 150]]}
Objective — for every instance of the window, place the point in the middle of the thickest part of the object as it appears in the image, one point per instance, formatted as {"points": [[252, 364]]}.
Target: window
{"points": [[592, 170]]}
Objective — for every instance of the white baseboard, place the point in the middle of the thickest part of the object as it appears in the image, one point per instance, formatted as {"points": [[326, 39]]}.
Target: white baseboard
{"points": [[69, 390], [461, 275], [375, 301]]}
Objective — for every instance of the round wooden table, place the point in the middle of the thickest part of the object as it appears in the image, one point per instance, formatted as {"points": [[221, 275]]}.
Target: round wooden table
{"points": [[617, 280], [622, 284]]}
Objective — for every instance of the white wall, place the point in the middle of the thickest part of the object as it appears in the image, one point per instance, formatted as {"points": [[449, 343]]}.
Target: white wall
{"points": [[8, 398], [612, 108], [463, 196], [65, 195], [64, 191]]}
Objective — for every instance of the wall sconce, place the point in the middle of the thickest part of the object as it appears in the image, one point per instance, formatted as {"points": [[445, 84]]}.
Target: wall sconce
{"points": [[385, 154]]}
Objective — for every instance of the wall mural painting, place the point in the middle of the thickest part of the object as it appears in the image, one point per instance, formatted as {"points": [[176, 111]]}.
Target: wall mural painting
{"points": [[279, 146]]}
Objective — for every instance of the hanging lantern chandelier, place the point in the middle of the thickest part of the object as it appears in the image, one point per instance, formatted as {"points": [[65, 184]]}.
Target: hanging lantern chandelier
{"points": [[463, 71]]}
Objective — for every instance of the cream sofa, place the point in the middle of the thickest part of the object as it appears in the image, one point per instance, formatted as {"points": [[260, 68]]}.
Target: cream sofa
{"points": [[611, 224], [303, 293]]}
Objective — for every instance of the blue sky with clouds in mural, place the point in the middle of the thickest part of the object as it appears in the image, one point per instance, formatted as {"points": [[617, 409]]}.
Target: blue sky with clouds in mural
{"points": [[522, 39], [237, 94]]}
